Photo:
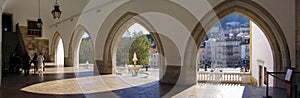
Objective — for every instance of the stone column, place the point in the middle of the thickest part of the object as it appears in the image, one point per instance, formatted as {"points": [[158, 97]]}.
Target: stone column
{"points": [[170, 75], [181, 75], [175, 68], [103, 67], [68, 62], [52, 58]]}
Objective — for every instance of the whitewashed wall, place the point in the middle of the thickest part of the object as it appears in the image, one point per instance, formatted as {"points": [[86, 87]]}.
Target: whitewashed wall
{"points": [[283, 12], [261, 50]]}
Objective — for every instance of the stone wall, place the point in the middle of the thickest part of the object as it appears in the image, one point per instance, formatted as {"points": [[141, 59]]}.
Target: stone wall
{"points": [[298, 34], [298, 42], [34, 45]]}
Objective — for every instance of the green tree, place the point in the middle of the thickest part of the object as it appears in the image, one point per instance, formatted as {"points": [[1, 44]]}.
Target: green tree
{"points": [[124, 56], [86, 50], [123, 51], [142, 47]]}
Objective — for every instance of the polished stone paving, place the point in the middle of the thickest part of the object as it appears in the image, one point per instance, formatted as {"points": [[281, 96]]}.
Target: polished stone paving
{"points": [[207, 90], [69, 82], [66, 82]]}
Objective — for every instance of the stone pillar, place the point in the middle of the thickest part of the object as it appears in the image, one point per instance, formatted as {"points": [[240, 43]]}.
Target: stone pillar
{"points": [[171, 74], [68, 62], [188, 75], [103, 67], [174, 74], [52, 58]]}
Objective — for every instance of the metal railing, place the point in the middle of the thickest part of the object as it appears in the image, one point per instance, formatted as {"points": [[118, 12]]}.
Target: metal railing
{"points": [[22, 49], [291, 87]]}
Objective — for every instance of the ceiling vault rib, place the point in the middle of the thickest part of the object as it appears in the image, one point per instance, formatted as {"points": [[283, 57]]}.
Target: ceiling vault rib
{"points": [[84, 12]]}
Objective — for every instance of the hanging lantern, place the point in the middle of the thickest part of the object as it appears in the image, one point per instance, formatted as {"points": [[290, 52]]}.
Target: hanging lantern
{"points": [[56, 12], [39, 23]]}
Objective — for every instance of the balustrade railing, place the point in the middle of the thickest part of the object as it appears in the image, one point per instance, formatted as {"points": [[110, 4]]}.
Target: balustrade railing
{"points": [[224, 77]]}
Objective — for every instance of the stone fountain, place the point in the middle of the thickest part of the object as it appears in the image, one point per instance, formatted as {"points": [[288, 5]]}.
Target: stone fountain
{"points": [[134, 68]]}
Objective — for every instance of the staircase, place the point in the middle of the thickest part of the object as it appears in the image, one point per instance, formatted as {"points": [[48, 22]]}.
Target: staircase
{"points": [[11, 41]]}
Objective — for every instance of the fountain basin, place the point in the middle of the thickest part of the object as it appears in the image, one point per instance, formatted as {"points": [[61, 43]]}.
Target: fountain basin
{"points": [[139, 75], [134, 69]]}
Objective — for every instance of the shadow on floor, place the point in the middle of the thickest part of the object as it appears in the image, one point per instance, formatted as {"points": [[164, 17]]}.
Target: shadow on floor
{"points": [[12, 84]]}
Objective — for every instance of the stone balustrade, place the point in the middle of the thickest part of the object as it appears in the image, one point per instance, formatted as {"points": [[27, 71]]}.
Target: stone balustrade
{"points": [[225, 77]]}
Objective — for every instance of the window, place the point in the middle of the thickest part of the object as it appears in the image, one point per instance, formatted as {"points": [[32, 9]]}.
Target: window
{"points": [[247, 49], [33, 30]]}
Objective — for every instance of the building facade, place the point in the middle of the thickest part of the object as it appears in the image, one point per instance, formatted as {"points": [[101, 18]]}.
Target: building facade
{"points": [[228, 45]]}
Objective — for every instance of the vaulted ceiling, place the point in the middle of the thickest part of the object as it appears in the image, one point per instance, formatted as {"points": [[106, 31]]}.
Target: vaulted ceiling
{"points": [[29, 9]]}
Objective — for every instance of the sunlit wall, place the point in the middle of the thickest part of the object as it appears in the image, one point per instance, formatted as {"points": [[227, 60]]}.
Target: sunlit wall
{"points": [[261, 50]]}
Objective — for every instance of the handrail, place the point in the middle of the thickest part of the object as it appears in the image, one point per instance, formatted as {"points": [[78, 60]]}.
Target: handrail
{"points": [[21, 41], [282, 72], [279, 78], [283, 80]]}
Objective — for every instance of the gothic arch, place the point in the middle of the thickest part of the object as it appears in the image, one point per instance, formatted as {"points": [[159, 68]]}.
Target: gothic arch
{"points": [[257, 14], [120, 15], [170, 66], [74, 46], [115, 34], [124, 15], [54, 44]]}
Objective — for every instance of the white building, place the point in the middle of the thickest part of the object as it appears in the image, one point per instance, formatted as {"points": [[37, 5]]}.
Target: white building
{"points": [[154, 60]]}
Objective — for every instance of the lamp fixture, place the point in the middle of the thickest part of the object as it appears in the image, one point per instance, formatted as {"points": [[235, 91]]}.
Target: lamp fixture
{"points": [[39, 23], [56, 12]]}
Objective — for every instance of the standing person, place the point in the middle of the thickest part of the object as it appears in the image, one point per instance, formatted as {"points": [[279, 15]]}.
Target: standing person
{"points": [[26, 63], [34, 61], [44, 62], [40, 62]]}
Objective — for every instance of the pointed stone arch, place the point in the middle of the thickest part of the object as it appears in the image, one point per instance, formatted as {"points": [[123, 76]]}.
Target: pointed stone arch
{"points": [[258, 15], [115, 34], [72, 59], [54, 45]]}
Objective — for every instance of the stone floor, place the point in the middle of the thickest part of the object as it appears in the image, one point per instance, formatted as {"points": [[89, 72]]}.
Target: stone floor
{"points": [[68, 82]]}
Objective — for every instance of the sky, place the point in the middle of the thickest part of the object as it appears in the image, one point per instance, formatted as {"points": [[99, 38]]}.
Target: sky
{"points": [[60, 53], [85, 35], [137, 27]]}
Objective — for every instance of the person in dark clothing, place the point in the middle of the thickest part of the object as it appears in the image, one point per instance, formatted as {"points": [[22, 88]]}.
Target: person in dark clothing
{"points": [[17, 63], [34, 61], [26, 63], [11, 62]]}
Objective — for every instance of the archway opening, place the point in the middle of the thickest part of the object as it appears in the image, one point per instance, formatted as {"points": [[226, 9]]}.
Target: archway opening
{"points": [[137, 40], [85, 52], [59, 54], [236, 49]]}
